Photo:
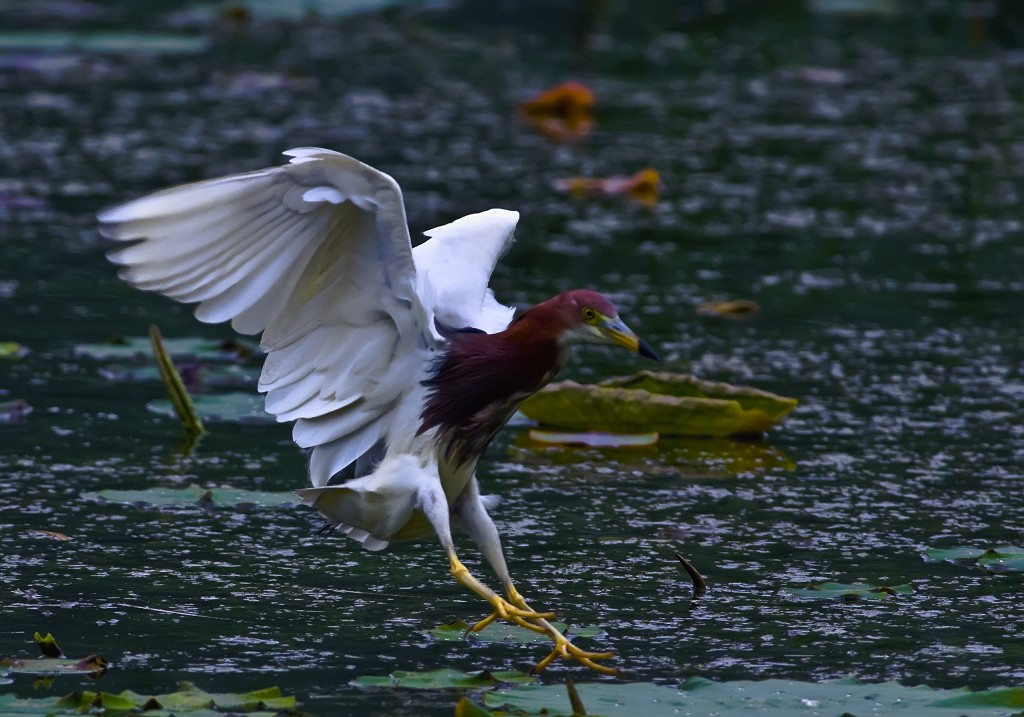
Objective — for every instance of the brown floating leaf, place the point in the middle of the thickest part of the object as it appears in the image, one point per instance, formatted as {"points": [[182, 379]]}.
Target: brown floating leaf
{"points": [[561, 113], [663, 402], [51, 534], [700, 586], [642, 188], [735, 310]]}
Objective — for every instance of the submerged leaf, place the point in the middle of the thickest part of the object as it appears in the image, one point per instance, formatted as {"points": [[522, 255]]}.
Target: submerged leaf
{"points": [[234, 407], [198, 377], [108, 42], [507, 632], [223, 496], [444, 679], [668, 403], [14, 411], [850, 592]]}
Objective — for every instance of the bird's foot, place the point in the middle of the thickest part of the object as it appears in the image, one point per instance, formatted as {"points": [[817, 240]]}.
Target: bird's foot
{"points": [[521, 614], [564, 647], [568, 651]]}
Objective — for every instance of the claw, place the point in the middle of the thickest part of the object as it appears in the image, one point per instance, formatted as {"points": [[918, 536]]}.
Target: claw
{"points": [[568, 651], [563, 646]]}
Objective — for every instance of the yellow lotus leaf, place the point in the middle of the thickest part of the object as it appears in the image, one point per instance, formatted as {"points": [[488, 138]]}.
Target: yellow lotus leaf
{"points": [[665, 402]]}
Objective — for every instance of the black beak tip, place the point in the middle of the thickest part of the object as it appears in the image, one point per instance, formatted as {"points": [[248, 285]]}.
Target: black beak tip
{"points": [[644, 349]]}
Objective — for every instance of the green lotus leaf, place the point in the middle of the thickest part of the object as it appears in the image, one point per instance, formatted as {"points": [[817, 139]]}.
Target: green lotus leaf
{"points": [[444, 679], [236, 407], [11, 704], [195, 495], [1000, 559], [506, 632], [768, 698], [138, 348], [48, 645], [12, 350], [850, 592], [188, 700], [662, 402]]}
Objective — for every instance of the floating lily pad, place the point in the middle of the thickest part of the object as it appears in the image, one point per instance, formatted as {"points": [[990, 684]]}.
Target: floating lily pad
{"points": [[195, 495], [198, 377], [782, 698], [140, 348], [506, 632], [244, 408], [851, 592], [12, 350], [93, 665], [189, 700], [662, 402], [445, 679], [106, 42], [1001, 559], [595, 439]]}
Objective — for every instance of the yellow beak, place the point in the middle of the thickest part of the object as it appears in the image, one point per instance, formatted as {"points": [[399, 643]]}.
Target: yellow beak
{"points": [[616, 331]]}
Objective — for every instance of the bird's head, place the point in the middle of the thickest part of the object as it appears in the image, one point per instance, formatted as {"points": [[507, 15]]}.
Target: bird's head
{"points": [[583, 315]]}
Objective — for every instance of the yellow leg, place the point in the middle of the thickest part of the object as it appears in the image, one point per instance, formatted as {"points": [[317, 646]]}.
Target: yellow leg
{"points": [[502, 607]]}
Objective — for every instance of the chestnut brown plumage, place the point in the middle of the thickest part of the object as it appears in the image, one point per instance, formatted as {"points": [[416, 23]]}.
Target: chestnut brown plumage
{"points": [[396, 364], [480, 379]]}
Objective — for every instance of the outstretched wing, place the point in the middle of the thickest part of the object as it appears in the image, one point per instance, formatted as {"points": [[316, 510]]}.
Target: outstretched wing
{"points": [[316, 255]]}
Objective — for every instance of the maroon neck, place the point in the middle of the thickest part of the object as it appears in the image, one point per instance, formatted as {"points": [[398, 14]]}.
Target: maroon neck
{"points": [[479, 381]]}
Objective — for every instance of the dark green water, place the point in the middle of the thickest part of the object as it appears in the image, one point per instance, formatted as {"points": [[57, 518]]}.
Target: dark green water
{"points": [[873, 213]]}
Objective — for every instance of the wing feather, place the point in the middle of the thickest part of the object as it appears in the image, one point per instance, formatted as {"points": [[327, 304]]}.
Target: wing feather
{"points": [[316, 255]]}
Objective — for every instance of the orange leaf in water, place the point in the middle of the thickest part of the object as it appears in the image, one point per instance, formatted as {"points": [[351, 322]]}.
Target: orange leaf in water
{"points": [[736, 310], [643, 187], [562, 113]]}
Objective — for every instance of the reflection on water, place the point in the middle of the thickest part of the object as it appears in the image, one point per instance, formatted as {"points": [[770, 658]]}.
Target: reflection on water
{"points": [[868, 201]]}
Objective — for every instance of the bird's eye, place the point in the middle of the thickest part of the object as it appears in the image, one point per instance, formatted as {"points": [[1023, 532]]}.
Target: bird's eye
{"points": [[589, 314]]}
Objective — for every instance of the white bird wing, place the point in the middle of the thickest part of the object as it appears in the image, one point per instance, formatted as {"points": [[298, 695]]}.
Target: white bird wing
{"points": [[316, 255], [455, 266]]}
